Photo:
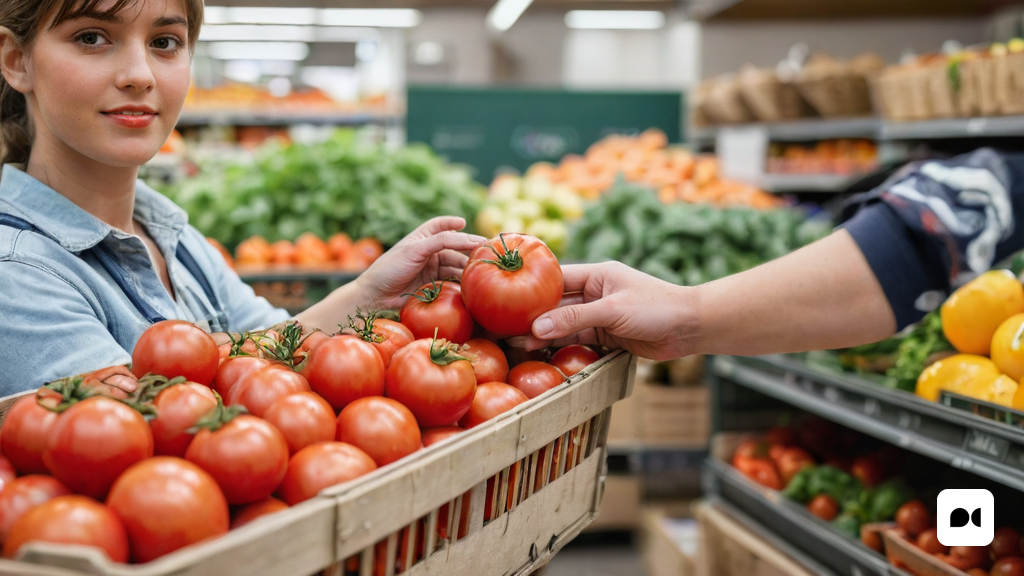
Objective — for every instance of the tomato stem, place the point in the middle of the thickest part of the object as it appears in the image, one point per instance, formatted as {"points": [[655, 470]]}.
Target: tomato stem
{"points": [[444, 353], [509, 261], [430, 293], [218, 417], [366, 331], [283, 350]]}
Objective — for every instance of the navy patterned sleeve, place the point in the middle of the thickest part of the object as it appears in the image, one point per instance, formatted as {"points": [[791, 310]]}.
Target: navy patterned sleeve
{"points": [[936, 224]]}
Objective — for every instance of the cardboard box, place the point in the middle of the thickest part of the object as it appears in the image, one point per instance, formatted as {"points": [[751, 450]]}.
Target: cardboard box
{"points": [[669, 543], [728, 548], [620, 505], [662, 414]]}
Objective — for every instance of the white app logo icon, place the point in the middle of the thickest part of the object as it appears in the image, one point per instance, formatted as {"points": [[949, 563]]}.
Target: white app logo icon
{"points": [[964, 517]]}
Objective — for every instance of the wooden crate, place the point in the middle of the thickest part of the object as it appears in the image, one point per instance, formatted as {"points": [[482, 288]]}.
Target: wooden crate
{"points": [[663, 553], [728, 548], [541, 466]]}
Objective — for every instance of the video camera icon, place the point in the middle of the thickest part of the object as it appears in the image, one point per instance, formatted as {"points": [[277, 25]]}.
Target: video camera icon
{"points": [[965, 517]]}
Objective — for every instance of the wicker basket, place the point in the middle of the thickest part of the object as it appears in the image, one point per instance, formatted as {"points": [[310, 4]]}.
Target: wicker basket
{"points": [[835, 89], [978, 87], [770, 99], [1009, 84], [721, 103]]}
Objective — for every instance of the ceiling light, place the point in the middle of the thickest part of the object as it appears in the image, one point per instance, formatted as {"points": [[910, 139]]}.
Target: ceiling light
{"points": [[505, 13], [259, 50], [247, 15], [371, 17], [615, 19], [257, 33], [362, 17]]}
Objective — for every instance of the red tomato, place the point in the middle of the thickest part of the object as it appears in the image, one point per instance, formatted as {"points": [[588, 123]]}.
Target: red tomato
{"points": [[247, 457], [509, 282], [929, 542], [25, 435], [434, 435], [7, 472], [320, 466], [233, 370], [571, 359], [868, 470], [535, 378], [913, 518], [381, 427], [175, 348], [93, 442], [824, 507], [489, 362], [1008, 566], [308, 343], [971, 556], [491, 399], [390, 337], [259, 390], [343, 369], [432, 381], [438, 307], [251, 512], [791, 461], [1005, 542], [25, 493], [166, 503], [179, 408], [760, 470], [303, 419], [70, 519]]}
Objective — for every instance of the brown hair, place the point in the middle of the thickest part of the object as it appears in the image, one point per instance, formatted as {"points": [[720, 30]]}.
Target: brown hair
{"points": [[25, 18]]}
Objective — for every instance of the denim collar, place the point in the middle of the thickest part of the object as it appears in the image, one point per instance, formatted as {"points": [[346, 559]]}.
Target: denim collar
{"points": [[72, 227]]}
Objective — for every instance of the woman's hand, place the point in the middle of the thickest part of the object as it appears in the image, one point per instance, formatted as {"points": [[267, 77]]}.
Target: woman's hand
{"points": [[433, 251], [616, 306]]}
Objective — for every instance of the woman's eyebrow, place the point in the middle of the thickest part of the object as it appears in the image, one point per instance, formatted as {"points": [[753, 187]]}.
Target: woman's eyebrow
{"points": [[170, 21]]}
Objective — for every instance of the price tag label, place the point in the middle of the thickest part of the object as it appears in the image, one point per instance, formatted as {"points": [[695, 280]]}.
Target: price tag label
{"points": [[742, 152], [976, 125], [986, 445]]}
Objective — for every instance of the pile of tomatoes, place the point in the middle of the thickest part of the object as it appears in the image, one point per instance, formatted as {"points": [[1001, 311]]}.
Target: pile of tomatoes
{"points": [[197, 438]]}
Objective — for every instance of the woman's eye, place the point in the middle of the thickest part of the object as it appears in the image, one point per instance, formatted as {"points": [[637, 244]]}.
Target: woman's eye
{"points": [[91, 39], [166, 43]]}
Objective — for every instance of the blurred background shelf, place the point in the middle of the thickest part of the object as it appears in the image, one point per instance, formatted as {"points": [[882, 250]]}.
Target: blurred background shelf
{"points": [[283, 118]]}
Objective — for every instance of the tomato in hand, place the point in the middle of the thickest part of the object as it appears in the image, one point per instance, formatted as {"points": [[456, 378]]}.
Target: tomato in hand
{"points": [[258, 391], [387, 336], [571, 359], [93, 442], [489, 362], [175, 348], [491, 399], [438, 307], [22, 494], [26, 433], [913, 518], [434, 435], [246, 456], [381, 427], [179, 408], [535, 378], [509, 282], [432, 381], [303, 419], [70, 519], [166, 503], [823, 506], [251, 512], [321, 466], [343, 369], [233, 370]]}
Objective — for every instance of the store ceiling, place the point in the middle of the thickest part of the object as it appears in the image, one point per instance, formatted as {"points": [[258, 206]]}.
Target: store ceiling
{"points": [[482, 4]]}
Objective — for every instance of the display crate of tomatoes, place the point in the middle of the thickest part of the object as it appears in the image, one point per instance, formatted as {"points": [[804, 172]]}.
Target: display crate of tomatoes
{"points": [[388, 448]]}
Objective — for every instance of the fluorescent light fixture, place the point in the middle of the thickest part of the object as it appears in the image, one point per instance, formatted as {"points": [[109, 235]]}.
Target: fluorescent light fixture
{"points": [[268, 33], [248, 15], [505, 13], [259, 50], [615, 19], [370, 17]]}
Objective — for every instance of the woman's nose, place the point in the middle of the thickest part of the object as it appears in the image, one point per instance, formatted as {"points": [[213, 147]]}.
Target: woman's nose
{"points": [[135, 72]]}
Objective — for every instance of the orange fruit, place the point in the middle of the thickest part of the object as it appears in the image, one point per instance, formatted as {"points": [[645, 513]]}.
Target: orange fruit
{"points": [[972, 314], [956, 373], [1008, 347], [1017, 402], [1000, 390]]}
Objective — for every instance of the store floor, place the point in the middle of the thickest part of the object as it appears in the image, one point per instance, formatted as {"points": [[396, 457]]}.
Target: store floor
{"points": [[598, 555]]}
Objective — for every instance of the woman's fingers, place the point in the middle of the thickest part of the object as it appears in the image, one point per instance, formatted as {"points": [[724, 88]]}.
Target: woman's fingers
{"points": [[453, 259], [448, 240], [438, 225]]}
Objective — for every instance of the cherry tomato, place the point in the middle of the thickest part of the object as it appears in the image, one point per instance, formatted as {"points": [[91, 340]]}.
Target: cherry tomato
{"points": [[1005, 542], [70, 519], [166, 503], [25, 435], [823, 506], [929, 542], [233, 370], [438, 307], [22, 494], [179, 408], [251, 512], [535, 378], [320, 466], [381, 427], [1008, 566], [491, 399], [259, 390], [913, 518], [434, 435], [247, 457], [303, 419], [343, 369], [571, 359], [175, 348], [509, 282], [93, 442], [433, 381], [489, 362]]}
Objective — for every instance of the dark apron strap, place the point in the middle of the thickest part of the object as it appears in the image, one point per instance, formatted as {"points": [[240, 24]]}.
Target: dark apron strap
{"points": [[109, 263]]}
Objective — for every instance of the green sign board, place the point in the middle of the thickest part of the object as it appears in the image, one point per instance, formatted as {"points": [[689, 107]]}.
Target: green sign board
{"points": [[493, 129]]}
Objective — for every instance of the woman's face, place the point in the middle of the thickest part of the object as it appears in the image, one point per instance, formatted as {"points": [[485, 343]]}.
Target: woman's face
{"points": [[110, 90]]}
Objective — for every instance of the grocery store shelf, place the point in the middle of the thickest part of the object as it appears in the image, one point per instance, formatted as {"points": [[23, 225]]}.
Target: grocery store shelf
{"points": [[294, 274], [647, 457], [953, 128], [802, 130], [782, 183], [952, 436], [809, 540], [256, 118]]}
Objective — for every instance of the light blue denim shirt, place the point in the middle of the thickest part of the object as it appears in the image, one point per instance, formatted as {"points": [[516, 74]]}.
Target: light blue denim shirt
{"points": [[62, 312]]}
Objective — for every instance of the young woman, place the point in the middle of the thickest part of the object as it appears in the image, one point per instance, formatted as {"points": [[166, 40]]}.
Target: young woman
{"points": [[89, 255]]}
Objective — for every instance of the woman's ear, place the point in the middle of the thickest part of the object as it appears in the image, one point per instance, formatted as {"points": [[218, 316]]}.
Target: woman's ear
{"points": [[13, 60]]}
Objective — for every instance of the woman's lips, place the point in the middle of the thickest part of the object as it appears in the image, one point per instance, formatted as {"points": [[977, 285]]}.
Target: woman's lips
{"points": [[132, 120]]}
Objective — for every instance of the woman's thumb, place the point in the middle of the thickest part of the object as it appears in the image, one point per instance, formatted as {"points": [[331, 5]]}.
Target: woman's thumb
{"points": [[567, 320]]}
